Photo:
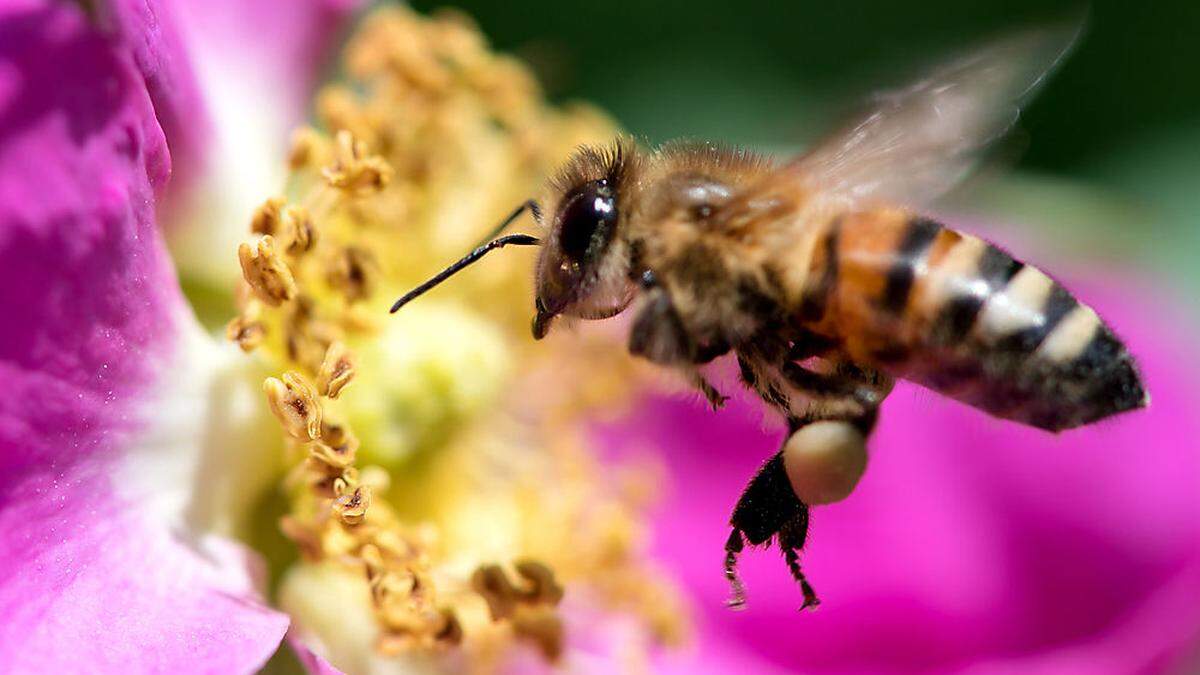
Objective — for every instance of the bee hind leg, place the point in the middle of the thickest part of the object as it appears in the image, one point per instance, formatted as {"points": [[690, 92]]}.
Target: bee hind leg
{"points": [[737, 595], [768, 509], [791, 540]]}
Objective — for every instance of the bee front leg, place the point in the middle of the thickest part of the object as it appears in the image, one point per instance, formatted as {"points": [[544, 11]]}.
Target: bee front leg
{"points": [[658, 335], [715, 398]]}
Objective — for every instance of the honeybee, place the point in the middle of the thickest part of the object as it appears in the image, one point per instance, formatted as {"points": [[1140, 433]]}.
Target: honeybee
{"points": [[825, 280]]}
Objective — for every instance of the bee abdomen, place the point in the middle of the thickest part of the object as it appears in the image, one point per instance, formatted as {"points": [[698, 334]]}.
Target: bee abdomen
{"points": [[961, 316], [1043, 357]]}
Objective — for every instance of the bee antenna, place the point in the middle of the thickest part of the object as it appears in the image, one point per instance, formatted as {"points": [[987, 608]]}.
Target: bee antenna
{"points": [[527, 204], [481, 250]]}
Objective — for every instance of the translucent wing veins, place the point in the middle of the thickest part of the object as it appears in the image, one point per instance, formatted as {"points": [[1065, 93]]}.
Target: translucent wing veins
{"points": [[914, 144]]}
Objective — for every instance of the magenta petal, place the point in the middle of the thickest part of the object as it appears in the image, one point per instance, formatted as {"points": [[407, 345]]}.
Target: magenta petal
{"points": [[115, 597], [149, 30], [972, 545], [88, 582], [313, 663], [85, 287], [278, 46]]}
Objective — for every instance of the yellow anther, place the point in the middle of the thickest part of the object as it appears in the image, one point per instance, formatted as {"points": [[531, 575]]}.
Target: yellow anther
{"points": [[451, 632], [337, 369], [352, 508], [266, 272], [345, 483], [542, 626], [354, 169], [372, 559], [456, 36], [246, 331], [429, 100], [298, 230], [354, 272], [335, 457], [490, 582], [294, 401], [543, 588], [338, 108], [504, 598], [336, 434], [307, 149], [268, 217], [303, 535]]}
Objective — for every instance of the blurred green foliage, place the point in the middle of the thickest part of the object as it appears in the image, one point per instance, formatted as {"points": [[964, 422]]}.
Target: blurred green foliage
{"points": [[717, 67], [1119, 124]]}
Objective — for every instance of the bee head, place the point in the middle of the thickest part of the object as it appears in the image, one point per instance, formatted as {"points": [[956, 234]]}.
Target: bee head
{"points": [[583, 269]]}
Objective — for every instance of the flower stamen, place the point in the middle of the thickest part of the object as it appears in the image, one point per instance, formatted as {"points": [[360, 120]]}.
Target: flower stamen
{"points": [[337, 370], [294, 402], [354, 169], [266, 272], [433, 138]]}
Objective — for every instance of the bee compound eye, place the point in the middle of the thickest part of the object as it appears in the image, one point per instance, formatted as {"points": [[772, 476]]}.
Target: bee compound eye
{"points": [[586, 219], [824, 461]]}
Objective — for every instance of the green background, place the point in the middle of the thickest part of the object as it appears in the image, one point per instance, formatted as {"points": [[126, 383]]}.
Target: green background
{"points": [[1110, 169]]}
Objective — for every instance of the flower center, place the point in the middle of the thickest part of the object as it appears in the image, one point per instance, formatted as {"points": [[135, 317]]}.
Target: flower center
{"points": [[443, 494]]}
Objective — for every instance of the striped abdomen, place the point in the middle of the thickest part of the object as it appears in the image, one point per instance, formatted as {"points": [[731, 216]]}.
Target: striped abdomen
{"points": [[962, 317]]}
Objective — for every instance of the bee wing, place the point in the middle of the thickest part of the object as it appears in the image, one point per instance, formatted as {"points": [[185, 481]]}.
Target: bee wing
{"points": [[916, 143]]}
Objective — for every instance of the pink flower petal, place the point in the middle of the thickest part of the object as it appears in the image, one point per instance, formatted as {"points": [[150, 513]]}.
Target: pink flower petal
{"points": [[972, 545], [258, 64], [89, 582], [313, 663], [149, 30], [278, 47]]}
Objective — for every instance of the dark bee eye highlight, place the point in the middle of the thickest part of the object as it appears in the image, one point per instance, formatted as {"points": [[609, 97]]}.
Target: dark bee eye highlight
{"points": [[586, 219]]}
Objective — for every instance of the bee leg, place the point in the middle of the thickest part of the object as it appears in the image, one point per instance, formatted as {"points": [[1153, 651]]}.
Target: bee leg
{"points": [[658, 334], [711, 394], [733, 546], [791, 541], [709, 352], [768, 508], [824, 385], [764, 386], [847, 392], [808, 345]]}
